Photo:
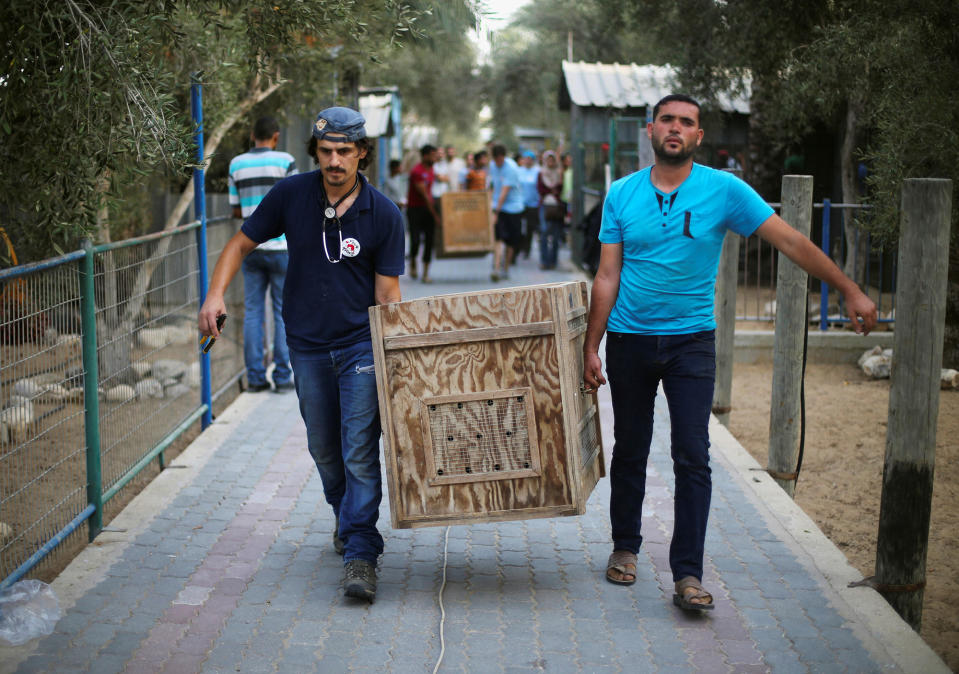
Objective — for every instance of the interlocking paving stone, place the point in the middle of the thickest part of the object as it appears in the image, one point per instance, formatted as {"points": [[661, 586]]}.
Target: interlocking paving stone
{"points": [[237, 573]]}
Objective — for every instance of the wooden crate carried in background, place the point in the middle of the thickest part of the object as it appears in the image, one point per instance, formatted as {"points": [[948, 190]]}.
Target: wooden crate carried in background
{"points": [[484, 418], [467, 229]]}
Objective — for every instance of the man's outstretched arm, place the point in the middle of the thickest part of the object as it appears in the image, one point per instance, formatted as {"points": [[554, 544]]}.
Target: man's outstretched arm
{"points": [[798, 248]]}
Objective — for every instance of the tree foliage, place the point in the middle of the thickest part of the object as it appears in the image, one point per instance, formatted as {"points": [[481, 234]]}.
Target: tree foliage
{"points": [[526, 70], [811, 62], [877, 75], [94, 95], [436, 69]]}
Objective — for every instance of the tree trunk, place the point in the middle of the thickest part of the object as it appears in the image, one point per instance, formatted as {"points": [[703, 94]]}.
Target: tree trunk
{"points": [[114, 356], [857, 250], [213, 141], [115, 333]]}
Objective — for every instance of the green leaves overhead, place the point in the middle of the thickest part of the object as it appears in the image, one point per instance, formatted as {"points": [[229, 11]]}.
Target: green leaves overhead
{"points": [[94, 95]]}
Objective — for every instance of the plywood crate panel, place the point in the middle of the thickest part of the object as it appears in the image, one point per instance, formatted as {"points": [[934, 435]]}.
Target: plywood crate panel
{"points": [[483, 413], [467, 228]]}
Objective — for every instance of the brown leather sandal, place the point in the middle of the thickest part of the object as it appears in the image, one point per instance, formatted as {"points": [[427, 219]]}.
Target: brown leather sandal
{"points": [[622, 562], [690, 595]]}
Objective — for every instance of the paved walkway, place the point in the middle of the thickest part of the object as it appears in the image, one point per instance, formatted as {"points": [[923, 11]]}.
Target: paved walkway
{"points": [[224, 564]]}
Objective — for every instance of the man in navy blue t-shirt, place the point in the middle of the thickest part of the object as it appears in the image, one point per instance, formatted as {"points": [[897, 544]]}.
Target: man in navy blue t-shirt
{"points": [[346, 246], [662, 235]]}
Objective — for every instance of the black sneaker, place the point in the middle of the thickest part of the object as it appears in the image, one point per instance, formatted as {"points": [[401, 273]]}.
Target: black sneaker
{"points": [[284, 387], [257, 388], [337, 541], [360, 580]]}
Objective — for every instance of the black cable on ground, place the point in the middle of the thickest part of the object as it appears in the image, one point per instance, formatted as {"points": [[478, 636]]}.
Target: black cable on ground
{"points": [[802, 392]]}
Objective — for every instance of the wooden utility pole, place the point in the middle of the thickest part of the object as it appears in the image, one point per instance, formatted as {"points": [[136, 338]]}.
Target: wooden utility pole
{"points": [[725, 312], [906, 501], [791, 320]]}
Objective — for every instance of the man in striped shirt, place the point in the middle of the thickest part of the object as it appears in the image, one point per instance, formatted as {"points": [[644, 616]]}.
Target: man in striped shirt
{"points": [[252, 174]]}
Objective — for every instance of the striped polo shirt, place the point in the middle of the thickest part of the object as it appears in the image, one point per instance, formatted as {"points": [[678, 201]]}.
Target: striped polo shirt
{"points": [[252, 175]]}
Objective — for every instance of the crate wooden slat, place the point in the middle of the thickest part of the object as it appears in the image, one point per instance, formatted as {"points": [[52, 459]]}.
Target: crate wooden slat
{"points": [[481, 405], [467, 228]]}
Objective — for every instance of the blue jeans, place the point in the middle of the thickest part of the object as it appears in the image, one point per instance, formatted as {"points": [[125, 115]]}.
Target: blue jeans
{"points": [[550, 234], [686, 365], [337, 393], [264, 270]]}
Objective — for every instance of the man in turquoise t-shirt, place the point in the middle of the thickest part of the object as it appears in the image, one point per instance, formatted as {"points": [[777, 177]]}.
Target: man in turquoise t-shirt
{"points": [[508, 208], [662, 235]]}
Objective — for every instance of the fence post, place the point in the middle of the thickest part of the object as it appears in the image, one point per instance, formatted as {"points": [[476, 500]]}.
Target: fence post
{"points": [[725, 312], [906, 500], [91, 386], [791, 322], [199, 205], [725, 309], [827, 249]]}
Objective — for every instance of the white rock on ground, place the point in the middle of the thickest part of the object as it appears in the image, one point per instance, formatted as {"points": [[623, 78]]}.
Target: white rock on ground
{"points": [[168, 369], [192, 378], [176, 391], [27, 388], [17, 419], [153, 338], [877, 367], [874, 351], [119, 394], [55, 392], [149, 388]]}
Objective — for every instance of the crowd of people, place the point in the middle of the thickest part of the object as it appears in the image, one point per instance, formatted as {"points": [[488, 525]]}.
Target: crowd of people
{"points": [[529, 193]]}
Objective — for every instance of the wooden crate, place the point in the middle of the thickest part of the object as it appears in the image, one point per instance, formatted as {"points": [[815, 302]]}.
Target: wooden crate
{"points": [[483, 414], [467, 228]]}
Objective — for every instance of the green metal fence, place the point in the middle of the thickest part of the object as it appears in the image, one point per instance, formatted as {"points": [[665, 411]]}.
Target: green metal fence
{"points": [[99, 374]]}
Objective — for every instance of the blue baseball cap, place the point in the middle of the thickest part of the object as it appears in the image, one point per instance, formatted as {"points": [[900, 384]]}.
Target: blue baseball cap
{"points": [[340, 125]]}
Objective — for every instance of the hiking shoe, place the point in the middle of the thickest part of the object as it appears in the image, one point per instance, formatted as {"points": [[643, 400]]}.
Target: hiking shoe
{"points": [[360, 580], [337, 541]]}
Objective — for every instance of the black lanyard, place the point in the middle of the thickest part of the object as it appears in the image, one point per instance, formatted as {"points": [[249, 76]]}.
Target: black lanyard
{"points": [[329, 213]]}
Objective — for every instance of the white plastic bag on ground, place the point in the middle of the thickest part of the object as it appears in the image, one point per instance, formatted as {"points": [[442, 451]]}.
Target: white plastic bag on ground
{"points": [[28, 609]]}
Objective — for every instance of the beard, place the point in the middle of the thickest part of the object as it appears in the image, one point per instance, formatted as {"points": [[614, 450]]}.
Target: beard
{"points": [[335, 178], [675, 158]]}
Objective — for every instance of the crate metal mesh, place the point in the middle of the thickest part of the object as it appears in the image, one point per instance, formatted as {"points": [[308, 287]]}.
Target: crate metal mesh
{"points": [[482, 437]]}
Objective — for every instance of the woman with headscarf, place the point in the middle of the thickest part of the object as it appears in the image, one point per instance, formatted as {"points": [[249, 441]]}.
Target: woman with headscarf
{"points": [[552, 211]]}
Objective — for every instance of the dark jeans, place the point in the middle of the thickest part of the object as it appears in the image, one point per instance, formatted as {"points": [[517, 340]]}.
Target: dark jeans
{"points": [[550, 235], [422, 226], [530, 225], [337, 392], [686, 365]]}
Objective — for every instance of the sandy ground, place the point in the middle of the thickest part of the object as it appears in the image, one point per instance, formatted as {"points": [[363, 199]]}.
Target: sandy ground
{"points": [[841, 476]]}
